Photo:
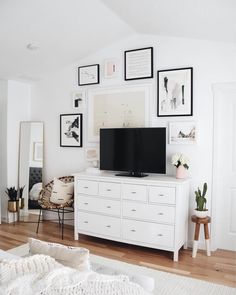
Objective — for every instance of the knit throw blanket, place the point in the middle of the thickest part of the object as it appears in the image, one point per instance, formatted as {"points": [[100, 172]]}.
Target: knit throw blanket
{"points": [[42, 275]]}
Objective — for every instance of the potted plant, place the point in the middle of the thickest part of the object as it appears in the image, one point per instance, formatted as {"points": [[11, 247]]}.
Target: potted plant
{"points": [[201, 200], [21, 199], [181, 162], [13, 202]]}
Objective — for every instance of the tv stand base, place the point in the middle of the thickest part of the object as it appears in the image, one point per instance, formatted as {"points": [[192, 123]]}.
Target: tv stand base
{"points": [[132, 174]]}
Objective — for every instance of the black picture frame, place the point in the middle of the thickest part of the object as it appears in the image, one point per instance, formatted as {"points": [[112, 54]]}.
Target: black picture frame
{"points": [[92, 72], [169, 107], [127, 76], [71, 130]]}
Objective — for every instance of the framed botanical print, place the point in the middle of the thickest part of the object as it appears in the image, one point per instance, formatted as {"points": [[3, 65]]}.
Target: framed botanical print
{"points": [[88, 75], [138, 64], [71, 129], [175, 92]]}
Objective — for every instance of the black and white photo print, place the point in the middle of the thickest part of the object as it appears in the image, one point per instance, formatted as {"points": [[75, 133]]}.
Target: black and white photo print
{"points": [[175, 92], [71, 130]]}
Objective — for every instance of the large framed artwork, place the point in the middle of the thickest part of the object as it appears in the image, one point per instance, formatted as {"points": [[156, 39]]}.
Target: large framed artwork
{"points": [[138, 64], [183, 132], [88, 75], [175, 92], [125, 106], [71, 129]]}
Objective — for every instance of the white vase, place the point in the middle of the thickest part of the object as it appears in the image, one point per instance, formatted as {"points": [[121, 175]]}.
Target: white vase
{"points": [[201, 214], [181, 172]]}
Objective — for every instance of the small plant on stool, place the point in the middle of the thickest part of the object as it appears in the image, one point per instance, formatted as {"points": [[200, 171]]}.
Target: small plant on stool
{"points": [[201, 201]]}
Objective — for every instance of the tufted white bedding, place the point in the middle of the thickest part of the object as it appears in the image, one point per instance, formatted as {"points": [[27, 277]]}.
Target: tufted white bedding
{"points": [[40, 274]]}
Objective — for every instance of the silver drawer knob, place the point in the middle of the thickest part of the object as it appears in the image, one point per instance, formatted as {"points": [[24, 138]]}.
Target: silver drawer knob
{"points": [[108, 226], [133, 230], [85, 221], [85, 186], [85, 203], [108, 190], [160, 235], [160, 213], [133, 192], [133, 210], [109, 207], [160, 195]]}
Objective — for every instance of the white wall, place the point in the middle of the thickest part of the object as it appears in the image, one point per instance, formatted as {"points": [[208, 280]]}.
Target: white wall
{"points": [[18, 109], [15, 100], [212, 62], [3, 145]]}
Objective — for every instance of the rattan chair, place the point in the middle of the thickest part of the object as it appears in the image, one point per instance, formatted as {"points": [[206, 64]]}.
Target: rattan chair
{"points": [[46, 205]]}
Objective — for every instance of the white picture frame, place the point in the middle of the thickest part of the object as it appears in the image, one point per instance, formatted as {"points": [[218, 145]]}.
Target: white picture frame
{"points": [[117, 107], [78, 99], [38, 152], [111, 68], [184, 132], [92, 154]]}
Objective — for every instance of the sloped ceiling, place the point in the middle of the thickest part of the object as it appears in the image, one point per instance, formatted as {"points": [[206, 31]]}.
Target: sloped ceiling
{"points": [[64, 30], [201, 19], [68, 30]]}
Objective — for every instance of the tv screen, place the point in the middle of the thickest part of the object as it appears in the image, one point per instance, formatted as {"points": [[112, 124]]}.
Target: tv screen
{"points": [[135, 150]]}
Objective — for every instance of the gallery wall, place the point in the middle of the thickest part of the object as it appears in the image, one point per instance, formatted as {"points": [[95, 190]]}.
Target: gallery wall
{"points": [[212, 63]]}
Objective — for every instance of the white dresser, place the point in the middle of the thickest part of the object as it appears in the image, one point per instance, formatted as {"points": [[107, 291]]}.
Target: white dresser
{"points": [[150, 211]]}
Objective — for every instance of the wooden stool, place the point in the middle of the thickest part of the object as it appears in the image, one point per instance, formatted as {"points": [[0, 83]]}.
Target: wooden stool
{"points": [[198, 221]]}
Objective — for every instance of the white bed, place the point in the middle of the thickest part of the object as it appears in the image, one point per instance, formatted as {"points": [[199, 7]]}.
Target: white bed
{"points": [[109, 278]]}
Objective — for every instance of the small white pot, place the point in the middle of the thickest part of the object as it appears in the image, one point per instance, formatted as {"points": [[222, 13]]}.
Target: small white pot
{"points": [[201, 214]]}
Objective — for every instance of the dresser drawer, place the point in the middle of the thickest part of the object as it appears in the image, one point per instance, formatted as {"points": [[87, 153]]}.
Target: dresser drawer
{"points": [[162, 194], [88, 187], [150, 233], [156, 213], [135, 192], [98, 224], [94, 204], [109, 189]]}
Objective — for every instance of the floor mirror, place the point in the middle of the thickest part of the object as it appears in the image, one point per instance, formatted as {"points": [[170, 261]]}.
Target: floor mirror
{"points": [[30, 176]]}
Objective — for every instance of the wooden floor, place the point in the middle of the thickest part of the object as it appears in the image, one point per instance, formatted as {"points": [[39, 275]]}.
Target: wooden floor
{"points": [[219, 268]]}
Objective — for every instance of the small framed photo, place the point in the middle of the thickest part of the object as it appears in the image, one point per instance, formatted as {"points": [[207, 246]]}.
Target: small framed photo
{"points": [[111, 68], [38, 152], [91, 154], [88, 75], [175, 92], [78, 100], [138, 64], [71, 129], [183, 132]]}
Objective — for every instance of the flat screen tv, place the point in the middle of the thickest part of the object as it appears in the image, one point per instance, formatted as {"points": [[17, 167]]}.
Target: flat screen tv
{"points": [[133, 150]]}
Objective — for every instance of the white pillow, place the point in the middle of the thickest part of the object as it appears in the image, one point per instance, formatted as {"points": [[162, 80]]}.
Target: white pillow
{"points": [[35, 190], [74, 257], [61, 192]]}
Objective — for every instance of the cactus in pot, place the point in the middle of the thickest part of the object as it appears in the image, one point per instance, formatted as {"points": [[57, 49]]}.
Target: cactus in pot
{"points": [[201, 201]]}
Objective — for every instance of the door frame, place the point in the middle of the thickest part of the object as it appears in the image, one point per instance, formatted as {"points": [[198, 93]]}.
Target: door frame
{"points": [[218, 91]]}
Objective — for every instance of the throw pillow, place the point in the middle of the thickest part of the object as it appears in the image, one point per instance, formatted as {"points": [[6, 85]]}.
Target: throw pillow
{"points": [[61, 192], [74, 257]]}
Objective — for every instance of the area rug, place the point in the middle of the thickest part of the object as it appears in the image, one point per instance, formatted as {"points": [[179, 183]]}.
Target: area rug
{"points": [[165, 283]]}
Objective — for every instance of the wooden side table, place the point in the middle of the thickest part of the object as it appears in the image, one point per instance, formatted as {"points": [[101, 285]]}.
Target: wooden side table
{"points": [[198, 221]]}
